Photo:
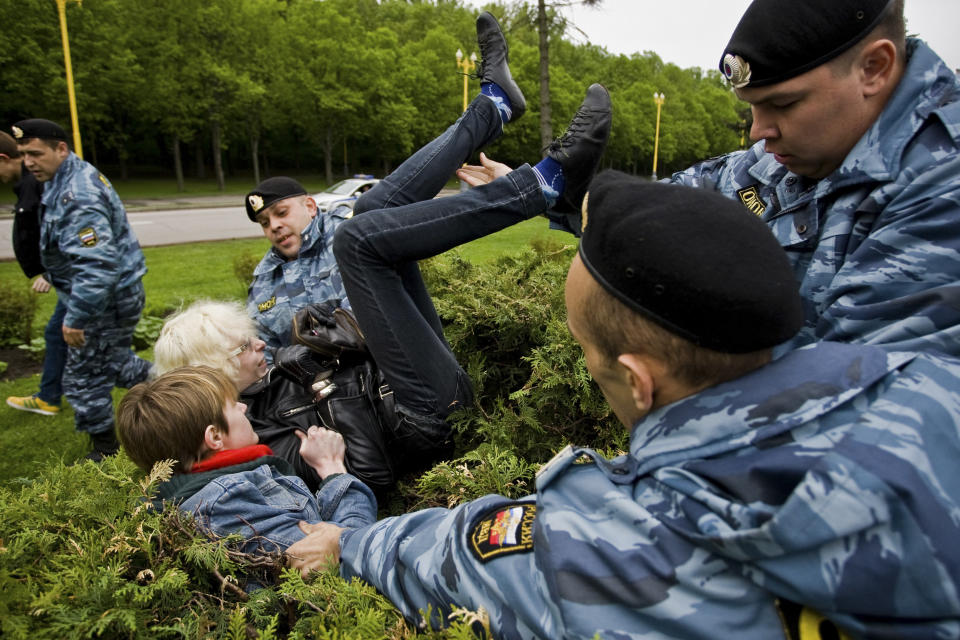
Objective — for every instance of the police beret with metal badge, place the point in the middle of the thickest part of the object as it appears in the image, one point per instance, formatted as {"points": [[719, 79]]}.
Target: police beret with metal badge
{"points": [[780, 39], [269, 191], [692, 261], [38, 128]]}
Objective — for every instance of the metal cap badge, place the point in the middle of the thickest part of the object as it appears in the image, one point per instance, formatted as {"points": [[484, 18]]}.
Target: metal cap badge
{"points": [[736, 70]]}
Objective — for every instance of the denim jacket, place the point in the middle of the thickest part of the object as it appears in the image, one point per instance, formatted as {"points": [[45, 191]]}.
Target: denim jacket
{"points": [[264, 502]]}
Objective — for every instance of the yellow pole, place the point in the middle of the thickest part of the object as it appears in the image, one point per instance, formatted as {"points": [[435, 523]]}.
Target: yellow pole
{"points": [[657, 98], [62, 10], [467, 65]]}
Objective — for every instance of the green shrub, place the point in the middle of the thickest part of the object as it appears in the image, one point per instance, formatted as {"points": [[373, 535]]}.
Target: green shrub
{"points": [[81, 555], [36, 348], [147, 331], [243, 266], [17, 306]]}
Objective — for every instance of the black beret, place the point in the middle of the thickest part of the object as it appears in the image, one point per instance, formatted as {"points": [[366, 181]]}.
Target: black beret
{"points": [[779, 39], [691, 260], [269, 191], [38, 128]]}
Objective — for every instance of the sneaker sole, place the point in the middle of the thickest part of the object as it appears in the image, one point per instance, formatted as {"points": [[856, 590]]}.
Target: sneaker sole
{"points": [[42, 412]]}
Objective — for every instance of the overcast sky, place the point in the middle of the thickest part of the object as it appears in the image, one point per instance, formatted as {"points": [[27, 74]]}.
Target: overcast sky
{"points": [[693, 33]]}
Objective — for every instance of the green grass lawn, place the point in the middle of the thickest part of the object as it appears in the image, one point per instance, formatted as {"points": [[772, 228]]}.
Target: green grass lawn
{"points": [[177, 275]]}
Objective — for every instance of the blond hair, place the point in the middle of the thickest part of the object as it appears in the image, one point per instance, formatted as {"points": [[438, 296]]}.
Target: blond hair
{"points": [[166, 418], [203, 334]]}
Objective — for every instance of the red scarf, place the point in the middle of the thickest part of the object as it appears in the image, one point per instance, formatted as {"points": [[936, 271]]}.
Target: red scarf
{"points": [[230, 457]]}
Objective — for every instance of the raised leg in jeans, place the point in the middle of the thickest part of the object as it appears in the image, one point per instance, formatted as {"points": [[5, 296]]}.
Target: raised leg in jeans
{"points": [[377, 253]]}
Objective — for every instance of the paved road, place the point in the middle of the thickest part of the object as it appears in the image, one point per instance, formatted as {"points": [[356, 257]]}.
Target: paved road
{"points": [[176, 221], [170, 226]]}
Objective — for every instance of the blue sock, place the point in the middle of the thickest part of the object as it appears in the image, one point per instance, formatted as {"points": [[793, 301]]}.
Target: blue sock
{"points": [[493, 91], [550, 176]]}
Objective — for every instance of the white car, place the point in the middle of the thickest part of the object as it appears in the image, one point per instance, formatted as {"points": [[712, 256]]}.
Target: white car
{"points": [[344, 192]]}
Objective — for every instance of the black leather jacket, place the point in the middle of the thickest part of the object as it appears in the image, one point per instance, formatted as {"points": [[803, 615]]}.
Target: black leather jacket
{"points": [[276, 406]]}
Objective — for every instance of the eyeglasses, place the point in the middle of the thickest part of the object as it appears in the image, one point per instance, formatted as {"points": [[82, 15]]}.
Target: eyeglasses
{"points": [[246, 345]]}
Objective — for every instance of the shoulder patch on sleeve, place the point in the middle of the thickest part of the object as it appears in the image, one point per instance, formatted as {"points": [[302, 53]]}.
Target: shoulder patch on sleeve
{"points": [[505, 529], [267, 305], [87, 236]]}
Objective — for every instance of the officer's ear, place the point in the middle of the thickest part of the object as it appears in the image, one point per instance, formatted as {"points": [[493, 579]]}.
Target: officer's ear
{"points": [[311, 205], [876, 65], [640, 378]]}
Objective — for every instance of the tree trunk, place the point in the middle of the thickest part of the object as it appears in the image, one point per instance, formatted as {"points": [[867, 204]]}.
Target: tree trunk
{"points": [[328, 155], [92, 148], [546, 128], [217, 156], [255, 152], [177, 162], [201, 169], [124, 168]]}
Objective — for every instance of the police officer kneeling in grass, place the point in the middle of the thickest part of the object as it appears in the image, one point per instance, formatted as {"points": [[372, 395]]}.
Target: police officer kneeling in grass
{"points": [[758, 495]]}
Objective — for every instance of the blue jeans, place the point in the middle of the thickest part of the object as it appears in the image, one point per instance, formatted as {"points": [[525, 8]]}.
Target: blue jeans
{"points": [[54, 357], [399, 222]]}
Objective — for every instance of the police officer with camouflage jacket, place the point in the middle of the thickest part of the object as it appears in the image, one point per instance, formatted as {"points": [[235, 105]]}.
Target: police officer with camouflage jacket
{"points": [[856, 169], [300, 267], [758, 497], [94, 262]]}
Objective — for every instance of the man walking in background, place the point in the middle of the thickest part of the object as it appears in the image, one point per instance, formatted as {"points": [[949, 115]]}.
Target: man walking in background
{"points": [[95, 263], [26, 247]]}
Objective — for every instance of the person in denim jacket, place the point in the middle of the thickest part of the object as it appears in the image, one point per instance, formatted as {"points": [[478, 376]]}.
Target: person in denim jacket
{"points": [[228, 481]]}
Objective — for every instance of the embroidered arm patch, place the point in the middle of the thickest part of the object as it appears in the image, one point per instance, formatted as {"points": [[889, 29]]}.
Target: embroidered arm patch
{"points": [[87, 236], [505, 529]]}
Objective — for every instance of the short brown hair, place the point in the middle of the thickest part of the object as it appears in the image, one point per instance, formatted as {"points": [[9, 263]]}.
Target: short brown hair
{"points": [[8, 146], [616, 329], [892, 26], [165, 418]]}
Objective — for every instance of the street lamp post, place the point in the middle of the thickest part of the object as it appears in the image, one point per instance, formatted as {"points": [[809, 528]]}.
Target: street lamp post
{"points": [[62, 10], [467, 65], [658, 98]]}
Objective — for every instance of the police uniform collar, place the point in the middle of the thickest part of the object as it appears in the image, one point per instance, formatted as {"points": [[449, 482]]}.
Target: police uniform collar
{"points": [[878, 154], [679, 432], [59, 180], [312, 232]]}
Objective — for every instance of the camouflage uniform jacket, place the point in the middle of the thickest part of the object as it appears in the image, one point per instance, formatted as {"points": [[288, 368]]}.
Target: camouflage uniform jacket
{"points": [[280, 288], [827, 478], [876, 244], [86, 243]]}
